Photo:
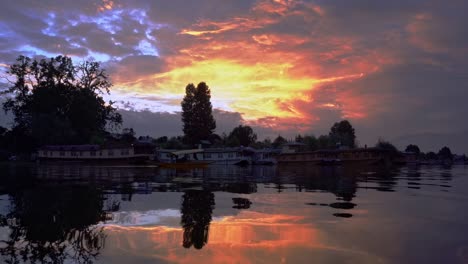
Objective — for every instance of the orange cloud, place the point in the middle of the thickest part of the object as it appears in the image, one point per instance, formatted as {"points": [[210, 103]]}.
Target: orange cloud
{"points": [[263, 74]]}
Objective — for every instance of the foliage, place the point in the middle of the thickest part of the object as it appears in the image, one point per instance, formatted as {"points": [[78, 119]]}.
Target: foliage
{"points": [[242, 135], [324, 142], [197, 116], [386, 145], [279, 141], [266, 143], [161, 140], [311, 142], [128, 135], [174, 143], [431, 155], [57, 102], [445, 154], [343, 133], [413, 148]]}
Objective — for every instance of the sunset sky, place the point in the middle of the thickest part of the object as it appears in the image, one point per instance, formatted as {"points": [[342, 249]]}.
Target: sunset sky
{"points": [[396, 69]]}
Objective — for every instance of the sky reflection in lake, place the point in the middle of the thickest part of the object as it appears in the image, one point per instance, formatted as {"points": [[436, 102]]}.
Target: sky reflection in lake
{"points": [[228, 214]]}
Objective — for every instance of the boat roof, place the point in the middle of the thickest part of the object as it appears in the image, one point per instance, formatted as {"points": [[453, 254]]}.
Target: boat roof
{"points": [[187, 151]]}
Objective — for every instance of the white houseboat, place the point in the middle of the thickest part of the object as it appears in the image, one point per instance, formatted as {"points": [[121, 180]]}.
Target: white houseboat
{"points": [[126, 152], [227, 156]]}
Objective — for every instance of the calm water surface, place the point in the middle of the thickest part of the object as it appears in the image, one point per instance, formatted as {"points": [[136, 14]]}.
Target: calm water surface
{"points": [[229, 214]]}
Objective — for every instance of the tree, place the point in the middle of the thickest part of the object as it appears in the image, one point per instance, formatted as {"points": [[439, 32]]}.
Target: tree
{"points": [[244, 135], [431, 155], [279, 141], [413, 148], [445, 154], [324, 142], [343, 133], [128, 135], [385, 145], [299, 139], [311, 142], [57, 102], [197, 116]]}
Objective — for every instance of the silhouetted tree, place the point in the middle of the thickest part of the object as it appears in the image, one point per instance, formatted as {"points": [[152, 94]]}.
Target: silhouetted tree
{"points": [[343, 133], [445, 154], [311, 142], [279, 141], [197, 116], [299, 139], [174, 143], [382, 144], [128, 135], [324, 142], [243, 135], [197, 207], [56, 102], [413, 148], [431, 155]]}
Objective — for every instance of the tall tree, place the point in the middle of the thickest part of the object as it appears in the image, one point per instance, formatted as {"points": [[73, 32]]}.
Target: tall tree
{"points": [[242, 135], [57, 102], [197, 113], [343, 133]]}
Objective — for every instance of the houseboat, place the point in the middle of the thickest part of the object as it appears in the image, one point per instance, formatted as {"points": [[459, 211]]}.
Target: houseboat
{"points": [[229, 156], [364, 156], [90, 153], [265, 156], [181, 158]]}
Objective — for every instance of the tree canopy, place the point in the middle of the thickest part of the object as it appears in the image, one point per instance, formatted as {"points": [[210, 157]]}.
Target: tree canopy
{"points": [[197, 113], [343, 133], [386, 145], [445, 153], [57, 102], [242, 135], [279, 141], [413, 148]]}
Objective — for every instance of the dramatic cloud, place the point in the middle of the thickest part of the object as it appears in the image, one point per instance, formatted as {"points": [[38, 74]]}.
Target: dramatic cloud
{"points": [[394, 68]]}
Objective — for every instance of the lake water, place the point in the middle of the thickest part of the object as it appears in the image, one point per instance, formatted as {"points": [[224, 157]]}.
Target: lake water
{"points": [[230, 214]]}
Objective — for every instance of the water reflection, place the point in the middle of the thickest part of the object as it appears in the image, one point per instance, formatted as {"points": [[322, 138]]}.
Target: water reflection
{"points": [[197, 207], [71, 213], [49, 224]]}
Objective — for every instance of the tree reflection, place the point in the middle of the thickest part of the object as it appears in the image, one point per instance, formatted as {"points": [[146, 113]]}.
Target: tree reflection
{"points": [[54, 225], [197, 207]]}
